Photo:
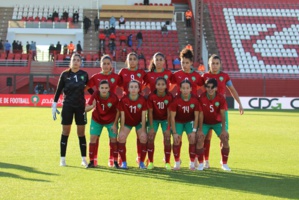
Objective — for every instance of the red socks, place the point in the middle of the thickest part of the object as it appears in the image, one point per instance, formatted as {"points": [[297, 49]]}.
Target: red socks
{"points": [[192, 152], [122, 151], [206, 147], [224, 154], [200, 153], [176, 152], [96, 149], [138, 147], [167, 152], [113, 146], [111, 151], [150, 151], [92, 148], [143, 151]]}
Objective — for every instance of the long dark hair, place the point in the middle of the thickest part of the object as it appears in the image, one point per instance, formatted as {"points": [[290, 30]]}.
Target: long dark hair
{"points": [[152, 65], [165, 81], [212, 57], [187, 53]]}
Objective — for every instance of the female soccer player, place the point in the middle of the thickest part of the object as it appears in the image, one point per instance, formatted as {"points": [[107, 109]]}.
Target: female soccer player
{"points": [[113, 80], [133, 110], [128, 74], [158, 114], [72, 82], [212, 106], [223, 82], [106, 115], [156, 69], [184, 112], [187, 72]]}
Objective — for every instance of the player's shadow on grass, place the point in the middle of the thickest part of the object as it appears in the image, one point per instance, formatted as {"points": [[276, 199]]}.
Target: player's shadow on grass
{"points": [[22, 168], [248, 181]]}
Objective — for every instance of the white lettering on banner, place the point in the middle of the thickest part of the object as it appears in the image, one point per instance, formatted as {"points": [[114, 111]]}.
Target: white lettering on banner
{"points": [[0, 100], [5, 100], [19, 100], [50, 101], [273, 103]]}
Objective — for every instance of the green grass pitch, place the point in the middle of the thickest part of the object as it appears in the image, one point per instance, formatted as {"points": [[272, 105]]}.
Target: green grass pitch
{"points": [[264, 160]]}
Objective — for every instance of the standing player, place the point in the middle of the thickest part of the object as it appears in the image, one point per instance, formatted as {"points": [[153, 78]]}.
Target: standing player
{"points": [[133, 110], [223, 82], [156, 69], [212, 106], [113, 80], [106, 115], [187, 72], [72, 83], [128, 74], [184, 112], [158, 114]]}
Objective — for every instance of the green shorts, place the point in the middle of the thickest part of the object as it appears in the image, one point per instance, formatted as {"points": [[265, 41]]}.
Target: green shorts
{"points": [[96, 129], [216, 127], [156, 123], [181, 127], [137, 127]]}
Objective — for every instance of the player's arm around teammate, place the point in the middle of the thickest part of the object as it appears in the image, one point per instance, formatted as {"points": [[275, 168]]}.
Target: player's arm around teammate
{"points": [[158, 114], [184, 112], [212, 117], [72, 83], [133, 111]]}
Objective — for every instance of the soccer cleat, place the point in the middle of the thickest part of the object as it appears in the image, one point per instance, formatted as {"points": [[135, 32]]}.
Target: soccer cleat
{"points": [[124, 165], [91, 165], [200, 167], [62, 162], [191, 166], [150, 165], [167, 166], [111, 163], [225, 167], [206, 164], [84, 163], [177, 165], [196, 163], [142, 165], [116, 164]]}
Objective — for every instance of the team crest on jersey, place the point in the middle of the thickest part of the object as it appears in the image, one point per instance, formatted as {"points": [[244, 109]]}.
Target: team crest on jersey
{"points": [[221, 78], [139, 75], [217, 104], [166, 101], [112, 80], [166, 77], [193, 78], [109, 105], [82, 78], [192, 106], [139, 106]]}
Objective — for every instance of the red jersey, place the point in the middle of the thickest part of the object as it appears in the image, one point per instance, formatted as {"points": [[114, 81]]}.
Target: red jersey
{"points": [[222, 79], [112, 78], [184, 109], [150, 78], [106, 109], [127, 75], [193, 77], [159, 105], [211, 108], [133, 109]]}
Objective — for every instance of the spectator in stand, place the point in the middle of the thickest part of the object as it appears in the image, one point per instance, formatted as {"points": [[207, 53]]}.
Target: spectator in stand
{"points": [[188, 15], [112, 30], [96, 23], [14, 46], [51, 52], [102, 36], [27, 47], [75, 17], [112, 47], [33, 50], [71, 48], [130, 41], [164, 30], [7, 47], [55, 15], [112, 21], [107, 32], [50, 16], [122, 38], [65, 49], [112, 36], [79, 48], [121, 20], [1, 46], [58, 48], [139, 39], [87, 24], [19, 47], [145, 2], [65, 15], [176, 61]]}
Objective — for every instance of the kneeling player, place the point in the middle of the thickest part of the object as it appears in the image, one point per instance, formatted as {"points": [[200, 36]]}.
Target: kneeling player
{"points": [[106, 115], [212, 107]]}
